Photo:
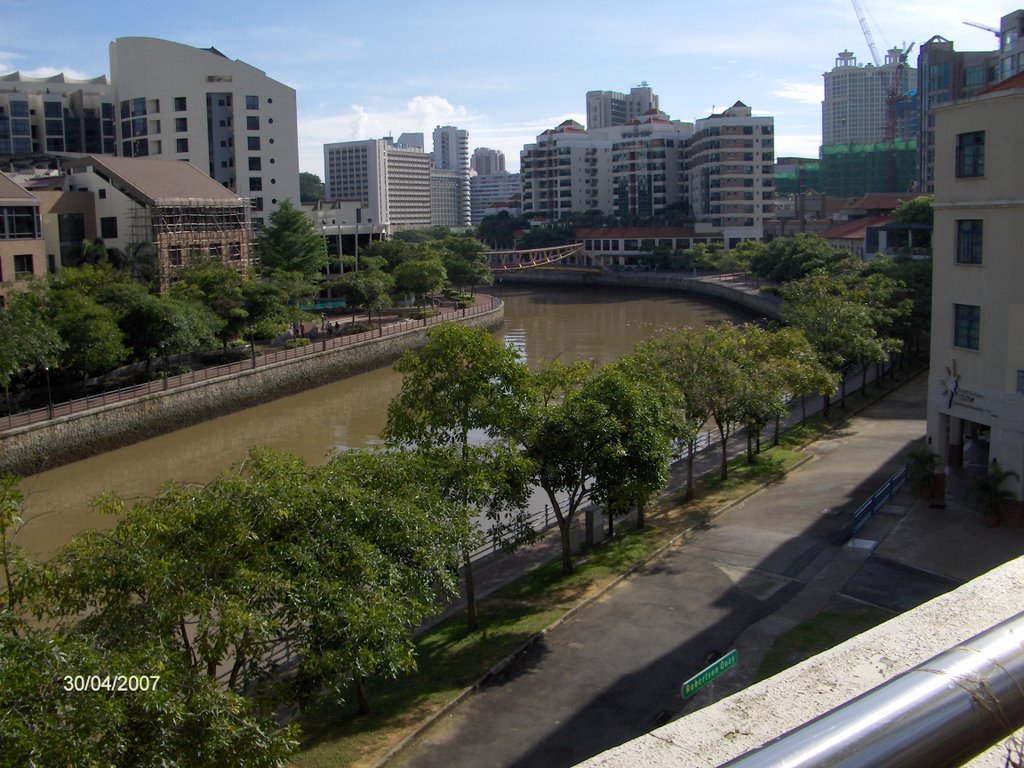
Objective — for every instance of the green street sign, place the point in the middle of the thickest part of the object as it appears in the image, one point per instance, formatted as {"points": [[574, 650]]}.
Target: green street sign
{"points": [[709, 673]]}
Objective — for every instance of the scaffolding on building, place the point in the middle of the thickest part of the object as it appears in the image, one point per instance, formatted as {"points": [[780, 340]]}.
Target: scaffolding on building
{"points": [[186, 229]]}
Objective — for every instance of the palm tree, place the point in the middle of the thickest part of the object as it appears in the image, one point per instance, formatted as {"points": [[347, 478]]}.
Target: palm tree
{"points": [[994, 498]]}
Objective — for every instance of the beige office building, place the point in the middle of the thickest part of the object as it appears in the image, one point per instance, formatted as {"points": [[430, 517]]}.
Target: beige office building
{"points": [[976, 386], [225, 117], [390, 180], [22, 248]]}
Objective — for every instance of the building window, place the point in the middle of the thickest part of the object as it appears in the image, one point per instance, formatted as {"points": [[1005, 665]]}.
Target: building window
{"points": [[181, 145], [180, 104], [174, 256], [181, 124], [252, 123], [966, 326], [968, 241], [1020, 382], [252, 102], [22, 266], [108, 227], [255, 164], [235, 251], [255, 184], [970, 154], [253, 143], [102, 194]]}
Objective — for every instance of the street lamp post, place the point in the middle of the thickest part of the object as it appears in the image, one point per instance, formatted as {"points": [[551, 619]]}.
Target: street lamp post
{"points": [[49, 392]]}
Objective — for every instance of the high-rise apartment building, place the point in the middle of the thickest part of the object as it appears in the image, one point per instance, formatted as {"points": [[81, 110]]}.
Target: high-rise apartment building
{"points": [[487, 162], [634, 169], [504, 189], [56, 115], [563, 172], [976, 385], [391, 180], [225, 117], [451, 154], [731, 172], [609, 108], [723, 167], [945, 75], [855, 108]]}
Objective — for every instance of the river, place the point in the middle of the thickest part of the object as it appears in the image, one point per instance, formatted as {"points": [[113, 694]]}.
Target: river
{"points": [[541, 322]]}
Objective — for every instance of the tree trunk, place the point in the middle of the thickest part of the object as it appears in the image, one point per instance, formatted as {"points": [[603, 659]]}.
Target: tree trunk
{"points": [[827, 403], [640, 516], [777, 420], [563, 530], [724, 473], [364, 700], [611, 523], [750, 443], [864, 378], [472, 620], [842, 396]]}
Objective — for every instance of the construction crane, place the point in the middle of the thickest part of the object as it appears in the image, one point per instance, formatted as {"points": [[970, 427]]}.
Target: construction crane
{"points": [[985, 27], [858, 7]]}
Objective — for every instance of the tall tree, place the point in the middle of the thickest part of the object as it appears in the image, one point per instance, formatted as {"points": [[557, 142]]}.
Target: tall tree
{"points": [[837, 323], [463, 381], [290, 243], [311, 188], [420, 276]]}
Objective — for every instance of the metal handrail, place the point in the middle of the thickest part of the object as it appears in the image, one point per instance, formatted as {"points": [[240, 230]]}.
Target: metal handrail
{"points": [[940, 713]]}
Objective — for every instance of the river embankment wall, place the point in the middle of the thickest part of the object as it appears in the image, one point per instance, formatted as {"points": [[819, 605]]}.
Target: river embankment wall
{"points": [[64, 439], [718, 289]]}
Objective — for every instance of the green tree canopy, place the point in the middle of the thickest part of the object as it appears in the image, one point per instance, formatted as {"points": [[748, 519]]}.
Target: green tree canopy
{"points": [[290, 243], [464, 381], [311, 188]]}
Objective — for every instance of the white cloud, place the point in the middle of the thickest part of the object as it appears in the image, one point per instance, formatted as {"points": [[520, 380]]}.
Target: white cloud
{"points": [[804, 93], [7, 61], [797, 145], [68, 72], [419, 114]]}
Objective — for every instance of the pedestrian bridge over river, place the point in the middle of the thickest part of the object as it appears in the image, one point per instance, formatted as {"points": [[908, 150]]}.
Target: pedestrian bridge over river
{"points": [[560, 256]]}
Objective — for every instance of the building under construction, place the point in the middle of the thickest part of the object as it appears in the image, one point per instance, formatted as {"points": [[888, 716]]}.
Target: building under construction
{"points": [[850, 170], [167, 208]]}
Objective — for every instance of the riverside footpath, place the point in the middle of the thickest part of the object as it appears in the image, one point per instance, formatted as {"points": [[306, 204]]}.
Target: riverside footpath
{"points": [[613, 670]]}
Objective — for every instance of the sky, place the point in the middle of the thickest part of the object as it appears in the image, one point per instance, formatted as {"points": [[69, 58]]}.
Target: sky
{"points": [[503, 71]]}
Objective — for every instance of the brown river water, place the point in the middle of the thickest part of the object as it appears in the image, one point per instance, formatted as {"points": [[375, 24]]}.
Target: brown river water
{"points": [[542, 322]]}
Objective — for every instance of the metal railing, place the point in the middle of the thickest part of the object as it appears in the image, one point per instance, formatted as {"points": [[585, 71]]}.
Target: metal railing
{"points": [[321, 343], [878, 499], [941, 713]]}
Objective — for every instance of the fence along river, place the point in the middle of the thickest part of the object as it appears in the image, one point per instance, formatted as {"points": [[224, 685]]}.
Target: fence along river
{"points": [[541, 322]]}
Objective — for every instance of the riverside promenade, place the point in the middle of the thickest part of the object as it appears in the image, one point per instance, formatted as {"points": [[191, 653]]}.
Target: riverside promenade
{"points": [[613, 671]]}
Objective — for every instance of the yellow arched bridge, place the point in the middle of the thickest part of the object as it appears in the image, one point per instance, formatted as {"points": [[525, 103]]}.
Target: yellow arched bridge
{"points": [[557, 257]]}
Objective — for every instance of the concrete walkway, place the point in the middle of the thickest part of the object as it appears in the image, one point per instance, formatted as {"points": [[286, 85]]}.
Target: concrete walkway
{"points": [[614, 671]]}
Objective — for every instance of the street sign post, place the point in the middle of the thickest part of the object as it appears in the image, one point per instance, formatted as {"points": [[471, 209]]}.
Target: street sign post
{"points": [[710, 672]]}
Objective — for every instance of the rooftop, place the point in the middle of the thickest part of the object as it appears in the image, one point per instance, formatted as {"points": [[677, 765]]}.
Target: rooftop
{"points": [[159, 182]]}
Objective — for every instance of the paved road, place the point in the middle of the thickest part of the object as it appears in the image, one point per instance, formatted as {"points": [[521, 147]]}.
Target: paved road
{"points": [[614, 671]]}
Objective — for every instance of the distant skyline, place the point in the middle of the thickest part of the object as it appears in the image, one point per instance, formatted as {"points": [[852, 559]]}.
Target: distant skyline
{"points": [[503, 72]]}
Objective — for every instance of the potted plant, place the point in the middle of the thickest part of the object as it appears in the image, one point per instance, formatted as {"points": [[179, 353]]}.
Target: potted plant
{"points": [[921, 467], [993, 496]]}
